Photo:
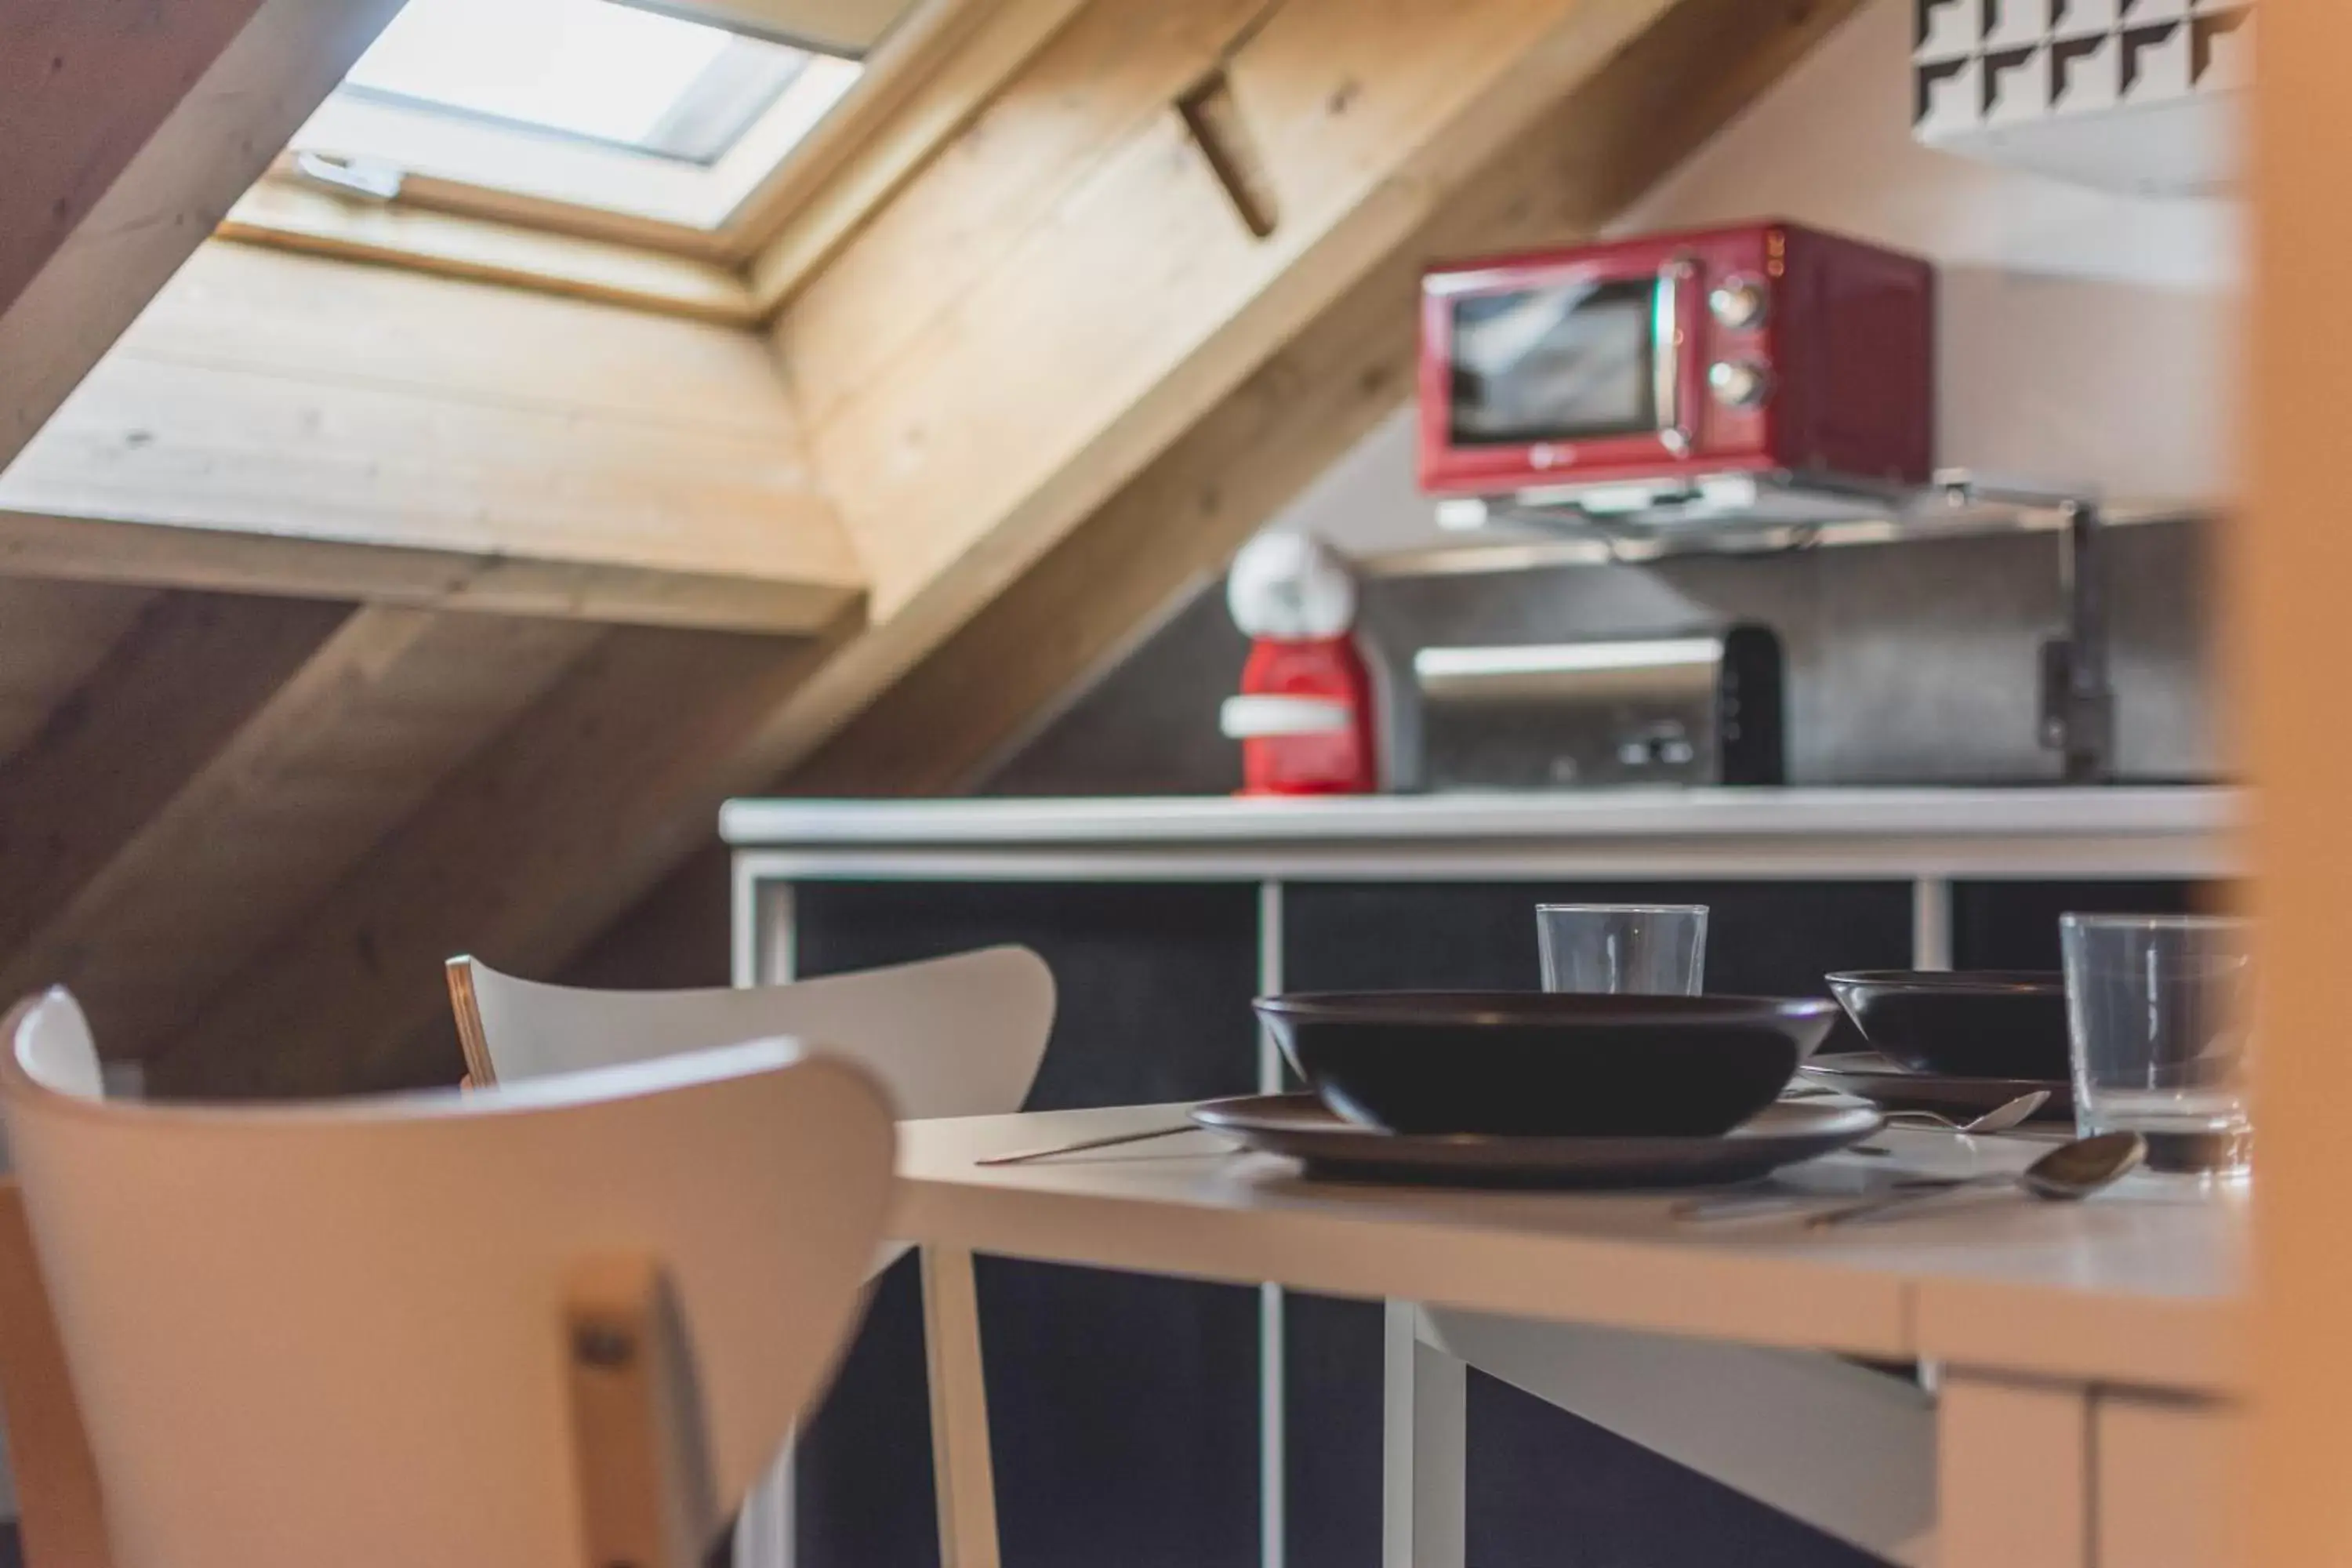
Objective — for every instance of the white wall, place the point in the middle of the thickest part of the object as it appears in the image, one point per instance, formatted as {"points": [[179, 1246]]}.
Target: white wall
{"points": [[2084, 336]]}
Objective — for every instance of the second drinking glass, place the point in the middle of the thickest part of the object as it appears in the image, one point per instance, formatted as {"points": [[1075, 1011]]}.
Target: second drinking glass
{"points": [[2160, 1008], [1650, 949]]}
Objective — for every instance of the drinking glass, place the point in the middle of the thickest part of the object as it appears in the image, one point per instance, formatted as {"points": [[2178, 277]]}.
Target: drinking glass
{"points": [[1650, 950], [2159, 1009]]}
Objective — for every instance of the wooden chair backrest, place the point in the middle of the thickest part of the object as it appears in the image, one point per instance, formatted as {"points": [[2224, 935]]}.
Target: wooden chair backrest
{"points": [[337, 1333], [949, 1036]]}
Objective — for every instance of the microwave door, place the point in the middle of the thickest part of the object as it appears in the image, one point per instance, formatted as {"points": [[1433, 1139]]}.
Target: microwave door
{"points": [[1572, 361]]}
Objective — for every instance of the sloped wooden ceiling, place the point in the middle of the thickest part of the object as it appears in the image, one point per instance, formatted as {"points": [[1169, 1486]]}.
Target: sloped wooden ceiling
{"points": [[478, 541], [131, 127], [279, 424], [1044, 378]]}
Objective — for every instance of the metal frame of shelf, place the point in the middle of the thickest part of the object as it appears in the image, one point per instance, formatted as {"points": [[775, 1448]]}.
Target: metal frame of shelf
{"points": [[1738, 514]]}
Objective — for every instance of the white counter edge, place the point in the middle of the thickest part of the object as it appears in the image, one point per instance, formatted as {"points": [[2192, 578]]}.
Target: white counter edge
{"points": [[2206, 815]]}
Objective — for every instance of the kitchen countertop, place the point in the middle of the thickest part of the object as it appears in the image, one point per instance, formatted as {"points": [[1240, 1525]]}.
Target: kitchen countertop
{"points": [[2123, 831]]}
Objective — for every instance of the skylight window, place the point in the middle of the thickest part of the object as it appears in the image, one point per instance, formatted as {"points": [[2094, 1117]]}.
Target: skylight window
{"points": [[580, 68], [591, 103]]}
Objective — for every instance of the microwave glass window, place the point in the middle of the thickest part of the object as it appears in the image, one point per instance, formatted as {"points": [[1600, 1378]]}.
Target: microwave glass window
{"points": [[1557, 363]]}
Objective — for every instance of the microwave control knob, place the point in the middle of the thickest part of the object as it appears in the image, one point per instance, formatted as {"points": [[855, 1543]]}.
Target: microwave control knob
{"points": [[1739, 302], [1738, 383]]}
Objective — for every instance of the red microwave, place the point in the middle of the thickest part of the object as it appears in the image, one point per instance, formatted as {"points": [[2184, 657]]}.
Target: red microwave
{"points": [[1764, 350]]}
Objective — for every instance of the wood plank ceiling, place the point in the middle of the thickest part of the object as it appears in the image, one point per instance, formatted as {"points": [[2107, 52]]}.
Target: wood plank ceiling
{"points": [[131, 129], [351, 617]]}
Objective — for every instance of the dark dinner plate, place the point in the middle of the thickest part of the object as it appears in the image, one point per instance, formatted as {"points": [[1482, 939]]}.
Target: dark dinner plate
{"points": [[1982, 1023], [1538, 1064], [1303, 1128], [1865, 1075]]}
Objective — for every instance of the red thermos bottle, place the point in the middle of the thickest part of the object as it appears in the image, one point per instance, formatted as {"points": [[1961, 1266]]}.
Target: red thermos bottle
{"points": [[1305, 715]]}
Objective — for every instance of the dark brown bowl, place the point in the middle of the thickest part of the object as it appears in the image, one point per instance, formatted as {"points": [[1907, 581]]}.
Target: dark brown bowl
{"points": [[1546, 1065], [1983, 1023]]}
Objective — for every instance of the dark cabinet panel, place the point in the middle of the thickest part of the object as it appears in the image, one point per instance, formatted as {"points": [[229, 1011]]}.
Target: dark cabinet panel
{"points": [[2014, 925], [862, 1492], [1544, 1487], [1123, 1409], [1332, 1351]]}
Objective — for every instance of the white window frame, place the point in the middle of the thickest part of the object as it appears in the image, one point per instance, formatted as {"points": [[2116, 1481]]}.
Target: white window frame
{"points": [[544, 166]]}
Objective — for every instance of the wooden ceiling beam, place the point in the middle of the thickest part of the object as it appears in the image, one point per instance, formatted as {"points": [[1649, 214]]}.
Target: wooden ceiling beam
{"points": [[1055, 360], [522, 855], [237, 842], [186, 675], [52, 635], [278, 424], [131, 129], [1178, 520], [923, 87]]}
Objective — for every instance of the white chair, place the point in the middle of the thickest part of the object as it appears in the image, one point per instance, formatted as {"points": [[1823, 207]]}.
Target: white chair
{"points": [[568, 1321], [949, 1037]]}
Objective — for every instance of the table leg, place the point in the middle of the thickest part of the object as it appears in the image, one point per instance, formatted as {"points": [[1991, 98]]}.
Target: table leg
{"points": [[963, 1472], [2160, 1474], [762, 942], [1423, 1449], [2014, 1474]]}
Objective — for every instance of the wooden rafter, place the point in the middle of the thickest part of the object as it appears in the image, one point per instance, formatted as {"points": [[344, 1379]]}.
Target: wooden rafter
{"points": [[52, 635], [130, 130], [188, 673], [536, 843], [925, 85], [243, 832]]}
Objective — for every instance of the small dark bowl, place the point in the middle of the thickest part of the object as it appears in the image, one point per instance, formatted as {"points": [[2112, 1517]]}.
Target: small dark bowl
{"points": [[1986, 1022], [1545, 1064]]}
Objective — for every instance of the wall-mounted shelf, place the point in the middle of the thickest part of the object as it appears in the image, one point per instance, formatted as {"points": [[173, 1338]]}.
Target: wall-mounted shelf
{"points": [[1745, 514], [1749, 514]]}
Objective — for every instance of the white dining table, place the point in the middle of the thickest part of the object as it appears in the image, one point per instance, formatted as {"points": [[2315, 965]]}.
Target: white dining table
{"points": [[1989, 1381]]}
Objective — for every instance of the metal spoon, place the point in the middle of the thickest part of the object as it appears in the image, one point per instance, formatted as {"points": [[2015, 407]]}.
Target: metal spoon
{"points": [[1756, 1204], [2071, 1171]]}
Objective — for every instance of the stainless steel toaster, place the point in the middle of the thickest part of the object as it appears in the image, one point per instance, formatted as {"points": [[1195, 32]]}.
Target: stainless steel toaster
{"points": [[1698, 708]]}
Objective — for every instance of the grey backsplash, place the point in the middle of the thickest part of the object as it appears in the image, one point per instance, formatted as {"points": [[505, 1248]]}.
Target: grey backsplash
{"points": [[1907, 663]]}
